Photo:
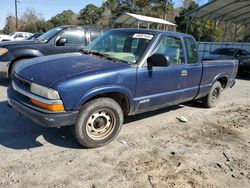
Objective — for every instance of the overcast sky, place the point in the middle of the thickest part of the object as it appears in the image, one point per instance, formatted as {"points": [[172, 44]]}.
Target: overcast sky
{"points": [[49, 8]]}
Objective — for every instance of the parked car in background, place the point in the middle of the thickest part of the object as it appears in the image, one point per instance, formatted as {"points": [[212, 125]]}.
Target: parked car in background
{"points": [[241, 55], [124, 72], [62, 39], [20, 35], [35, 36], [15, 36], [5, 38]]}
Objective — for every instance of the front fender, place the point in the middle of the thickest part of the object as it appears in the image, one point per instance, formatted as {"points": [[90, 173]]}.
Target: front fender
{"points": [[103, 90], [17, 53]]}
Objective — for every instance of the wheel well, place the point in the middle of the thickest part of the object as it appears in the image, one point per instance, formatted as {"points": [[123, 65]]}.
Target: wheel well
{"points": [[120, 98], [17, 59], [223, 81]]}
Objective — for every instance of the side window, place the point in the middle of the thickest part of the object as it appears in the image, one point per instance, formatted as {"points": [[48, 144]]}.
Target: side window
{"points": [[19, 35], [94, 34], [172, 48], [74, 37], [191, 50]]}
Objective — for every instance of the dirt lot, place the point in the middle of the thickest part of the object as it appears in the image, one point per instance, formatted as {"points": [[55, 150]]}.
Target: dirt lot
{"points": [[153, 149]]}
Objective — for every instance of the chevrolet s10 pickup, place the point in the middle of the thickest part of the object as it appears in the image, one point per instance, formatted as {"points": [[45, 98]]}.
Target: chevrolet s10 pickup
{"points": [[123, 72]]}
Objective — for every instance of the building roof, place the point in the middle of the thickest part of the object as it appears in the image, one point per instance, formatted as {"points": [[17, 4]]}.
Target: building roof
{"points": [[133, 19], [236, 11]]}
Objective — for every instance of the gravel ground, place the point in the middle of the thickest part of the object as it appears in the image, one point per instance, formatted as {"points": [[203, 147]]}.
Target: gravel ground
{"points": [[153, 149]]}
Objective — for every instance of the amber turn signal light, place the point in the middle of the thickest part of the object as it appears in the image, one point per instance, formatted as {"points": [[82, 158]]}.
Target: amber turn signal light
{"points": [[51, 107]]}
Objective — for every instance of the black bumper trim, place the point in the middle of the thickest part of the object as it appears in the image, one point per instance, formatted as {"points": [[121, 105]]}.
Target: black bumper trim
{"points": [[44, 119]]}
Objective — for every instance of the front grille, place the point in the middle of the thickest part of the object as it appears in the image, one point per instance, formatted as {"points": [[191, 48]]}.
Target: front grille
{"points": [[24, 85]]}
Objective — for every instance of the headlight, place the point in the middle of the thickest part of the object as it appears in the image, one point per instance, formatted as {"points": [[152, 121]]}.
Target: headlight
{"points": [[3, 51], [44, 91]]}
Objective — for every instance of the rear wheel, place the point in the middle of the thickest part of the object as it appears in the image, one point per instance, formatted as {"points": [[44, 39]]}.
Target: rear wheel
{"points": [[98, 123], [211, 100]]}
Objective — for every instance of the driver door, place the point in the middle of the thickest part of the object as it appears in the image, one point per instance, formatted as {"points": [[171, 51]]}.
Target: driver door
{"points": [[163, 85], [75, 41]]}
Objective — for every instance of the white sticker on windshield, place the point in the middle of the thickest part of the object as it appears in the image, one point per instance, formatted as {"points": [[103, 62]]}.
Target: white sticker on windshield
{"points": [[143, 36]]}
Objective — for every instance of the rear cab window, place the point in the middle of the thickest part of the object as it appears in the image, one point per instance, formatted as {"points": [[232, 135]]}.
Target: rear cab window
{"points": [[94, 33], [192, 56]]}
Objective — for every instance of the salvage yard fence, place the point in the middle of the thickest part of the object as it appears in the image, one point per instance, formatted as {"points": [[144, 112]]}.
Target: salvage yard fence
{"points": [[204, 48]]}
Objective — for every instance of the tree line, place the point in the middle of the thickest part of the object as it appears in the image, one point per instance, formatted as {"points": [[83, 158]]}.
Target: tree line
{"points": [[104, 16]]}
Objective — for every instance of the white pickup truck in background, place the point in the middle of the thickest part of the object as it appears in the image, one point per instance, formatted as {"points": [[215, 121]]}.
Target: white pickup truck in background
{"points": [[15, 36]]}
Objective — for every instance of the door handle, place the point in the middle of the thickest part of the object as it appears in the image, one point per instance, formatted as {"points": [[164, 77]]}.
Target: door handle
{"points": [[184, 73]]}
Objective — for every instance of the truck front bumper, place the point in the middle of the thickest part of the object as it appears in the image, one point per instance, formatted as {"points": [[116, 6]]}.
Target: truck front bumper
{"points": [[44, 119], [4, 68]]}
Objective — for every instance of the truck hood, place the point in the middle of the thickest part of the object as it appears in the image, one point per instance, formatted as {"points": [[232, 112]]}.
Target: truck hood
{"points": [[48, 70], [18, 43]]}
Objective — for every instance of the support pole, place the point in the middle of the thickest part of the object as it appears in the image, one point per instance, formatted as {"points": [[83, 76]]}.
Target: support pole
{"points": [[190, 22], [235, 33], [224, 35], [165, 12], [16, 15], [212, 36]]}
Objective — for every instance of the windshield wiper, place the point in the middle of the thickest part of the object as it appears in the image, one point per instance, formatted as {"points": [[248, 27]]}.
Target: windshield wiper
{"points": [[85, 51], [98, 54], [103, 55]]}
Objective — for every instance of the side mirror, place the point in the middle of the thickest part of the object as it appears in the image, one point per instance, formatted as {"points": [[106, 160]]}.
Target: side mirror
{"points": [[157, 60], [61, 42]]}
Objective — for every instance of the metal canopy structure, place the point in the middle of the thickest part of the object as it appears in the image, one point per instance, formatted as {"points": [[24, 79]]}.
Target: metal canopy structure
{"points": [[234, 14], [140, 20], [236, 11]]}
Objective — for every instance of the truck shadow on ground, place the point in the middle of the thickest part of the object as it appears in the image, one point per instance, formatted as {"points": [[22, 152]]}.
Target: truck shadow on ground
{"points": [[18, 132], [130, 119]]}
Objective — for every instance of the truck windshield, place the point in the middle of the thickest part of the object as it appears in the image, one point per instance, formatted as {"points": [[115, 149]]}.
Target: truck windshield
{"points": [[49, 34], [128, 46]]}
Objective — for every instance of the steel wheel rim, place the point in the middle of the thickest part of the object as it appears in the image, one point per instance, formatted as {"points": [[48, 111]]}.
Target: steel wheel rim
{"points": [[100, 124], [215, 94]]}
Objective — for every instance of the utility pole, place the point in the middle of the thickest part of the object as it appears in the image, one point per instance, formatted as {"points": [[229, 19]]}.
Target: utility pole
{"points": [[165, 13], [16, 15]]}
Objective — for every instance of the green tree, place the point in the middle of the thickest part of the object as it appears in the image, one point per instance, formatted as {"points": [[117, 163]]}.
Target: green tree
{"points": [[67, 17], [10, 25], [200, 29], [28, 20], [90, 15], [43, 26]]}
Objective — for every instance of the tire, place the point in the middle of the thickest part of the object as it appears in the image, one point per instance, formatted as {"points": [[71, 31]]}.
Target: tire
{"points": [[211, 100], [98, 123]]}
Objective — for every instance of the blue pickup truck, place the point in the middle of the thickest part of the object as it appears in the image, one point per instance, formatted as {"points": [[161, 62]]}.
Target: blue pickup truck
{"points": [[124, 72]]}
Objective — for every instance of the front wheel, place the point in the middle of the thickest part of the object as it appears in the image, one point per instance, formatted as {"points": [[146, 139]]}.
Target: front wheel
{"points": [[213, 97], [98, 123]]}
